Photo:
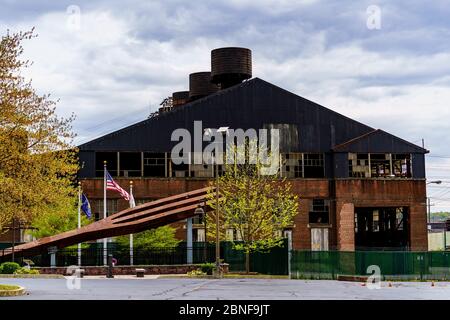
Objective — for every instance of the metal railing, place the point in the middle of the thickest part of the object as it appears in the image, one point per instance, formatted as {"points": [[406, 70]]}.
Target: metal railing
{"points": [[393, 265], [273, 262]]}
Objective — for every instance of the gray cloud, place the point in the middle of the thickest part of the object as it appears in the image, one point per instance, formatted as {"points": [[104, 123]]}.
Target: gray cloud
{"points": [[127, 56]]}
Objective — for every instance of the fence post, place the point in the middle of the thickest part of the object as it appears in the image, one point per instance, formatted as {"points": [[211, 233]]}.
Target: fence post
{"points": [[110, 267], [52, 252], [289, 245], [189, 258]]}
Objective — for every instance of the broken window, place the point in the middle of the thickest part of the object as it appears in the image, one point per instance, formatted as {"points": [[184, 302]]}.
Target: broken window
{"points": [[319, 211], [380, 165], [206, 169], [400, 219], [97, 207], [154, 164], [364, 165], [292, 165], [383, 227], [401, 164], [111, 163], [178, 170], [359, 165], [376, 221], [130, 164], [314, 165]]}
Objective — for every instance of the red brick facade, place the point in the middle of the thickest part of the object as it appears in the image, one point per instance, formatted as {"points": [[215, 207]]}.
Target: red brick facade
{"points": [[346, 195]]}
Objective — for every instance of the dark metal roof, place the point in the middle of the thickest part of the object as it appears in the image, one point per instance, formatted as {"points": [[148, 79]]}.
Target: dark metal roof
{"points": [[378, 141], [251, 104]]}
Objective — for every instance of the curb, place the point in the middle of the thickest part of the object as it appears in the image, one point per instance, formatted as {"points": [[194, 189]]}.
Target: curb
{"points": [[12, 293], [31, 276]]}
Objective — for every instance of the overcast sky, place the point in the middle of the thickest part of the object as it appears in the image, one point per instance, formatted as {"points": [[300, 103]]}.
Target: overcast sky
{"points": [[113, 63]]}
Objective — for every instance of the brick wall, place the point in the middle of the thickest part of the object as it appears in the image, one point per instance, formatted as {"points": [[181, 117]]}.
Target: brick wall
{"points": [[345, 219], [349, 193], [129, 270]]}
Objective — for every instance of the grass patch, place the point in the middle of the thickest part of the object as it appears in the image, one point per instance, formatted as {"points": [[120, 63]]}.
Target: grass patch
{"points": [[8, 287]]}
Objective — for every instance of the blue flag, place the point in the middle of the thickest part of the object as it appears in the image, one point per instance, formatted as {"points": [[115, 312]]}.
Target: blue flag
{"points": [[85, 206]]}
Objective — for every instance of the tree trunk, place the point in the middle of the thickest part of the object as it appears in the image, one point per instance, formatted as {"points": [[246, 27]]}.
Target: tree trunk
{"points": [[247, 262]]}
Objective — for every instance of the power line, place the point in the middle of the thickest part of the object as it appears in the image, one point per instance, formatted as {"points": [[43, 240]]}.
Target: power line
{"points": [[438, 156]]}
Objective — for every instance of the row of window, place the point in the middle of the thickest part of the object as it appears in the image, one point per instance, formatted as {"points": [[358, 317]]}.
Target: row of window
{"points": [[292, 165], [369, 165], [147, 164]]}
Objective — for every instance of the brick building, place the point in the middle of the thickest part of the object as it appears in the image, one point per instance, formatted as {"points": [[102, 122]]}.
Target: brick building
{"points": [[359, 187]]}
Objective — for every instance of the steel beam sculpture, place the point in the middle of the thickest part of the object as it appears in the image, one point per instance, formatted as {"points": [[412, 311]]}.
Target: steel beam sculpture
{"points": [[140, 218]]}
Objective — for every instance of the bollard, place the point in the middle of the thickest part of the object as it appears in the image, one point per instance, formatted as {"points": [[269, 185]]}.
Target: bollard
{"points": [[110, 267]]}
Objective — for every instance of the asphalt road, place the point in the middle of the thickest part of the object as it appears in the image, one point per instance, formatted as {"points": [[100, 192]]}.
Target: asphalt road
{"points": [[226, 289]]}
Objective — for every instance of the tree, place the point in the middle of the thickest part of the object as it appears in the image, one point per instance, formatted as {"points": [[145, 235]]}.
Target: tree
{"points": [[38, 164], [53, 222], [160, 238], [257, 207]]}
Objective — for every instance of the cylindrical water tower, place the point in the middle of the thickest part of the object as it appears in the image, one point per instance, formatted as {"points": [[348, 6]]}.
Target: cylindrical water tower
{"points": [[200, 85], [230, 66]]}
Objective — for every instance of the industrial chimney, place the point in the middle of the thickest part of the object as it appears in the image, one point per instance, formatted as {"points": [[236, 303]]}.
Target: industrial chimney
{"points": [[200, 85], [179, 98], [230, 66]]}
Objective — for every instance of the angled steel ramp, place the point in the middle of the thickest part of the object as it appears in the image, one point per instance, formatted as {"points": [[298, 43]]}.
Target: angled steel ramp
{"points": [[146, 216]]}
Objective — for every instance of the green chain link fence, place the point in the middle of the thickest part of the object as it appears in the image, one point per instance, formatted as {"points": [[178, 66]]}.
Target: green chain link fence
{"points": [[396, 265]]}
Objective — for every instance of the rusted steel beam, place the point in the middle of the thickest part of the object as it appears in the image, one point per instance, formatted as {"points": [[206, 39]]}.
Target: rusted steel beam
{"points": [[149, 215]]}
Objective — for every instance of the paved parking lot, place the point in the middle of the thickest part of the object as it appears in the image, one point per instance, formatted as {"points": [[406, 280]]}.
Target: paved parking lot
{"points": [[227, 289]]}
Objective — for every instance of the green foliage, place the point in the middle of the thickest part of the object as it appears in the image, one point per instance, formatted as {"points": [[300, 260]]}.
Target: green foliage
{"points": [[75, 247], [253, 201], [38, 163], [439, 216], [26, 271], [196, 273], [9, 267], [6, 287], [54, 222], [208, 268], [258, 207], [160, 238]]}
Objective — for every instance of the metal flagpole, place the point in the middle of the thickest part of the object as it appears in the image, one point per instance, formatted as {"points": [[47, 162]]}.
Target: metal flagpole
{"points": [[79, 221], [132, 205], [105, 240]]}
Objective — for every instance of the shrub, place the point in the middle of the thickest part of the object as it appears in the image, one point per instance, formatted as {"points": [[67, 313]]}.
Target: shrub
{"points": [[26, 271], [196, 272], [9, 267], [208, 268]]}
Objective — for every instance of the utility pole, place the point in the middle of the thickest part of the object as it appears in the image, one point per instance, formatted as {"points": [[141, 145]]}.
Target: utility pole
{"points": [[13, 237], [429, 209], [218, 269]]}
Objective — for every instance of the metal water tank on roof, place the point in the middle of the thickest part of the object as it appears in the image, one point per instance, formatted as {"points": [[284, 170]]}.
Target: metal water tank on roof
{"points": [[179, 98], [200, 85], [230, 66]]}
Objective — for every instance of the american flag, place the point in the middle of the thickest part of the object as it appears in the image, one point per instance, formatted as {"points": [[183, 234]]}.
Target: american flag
{"points": [[112, 185]]}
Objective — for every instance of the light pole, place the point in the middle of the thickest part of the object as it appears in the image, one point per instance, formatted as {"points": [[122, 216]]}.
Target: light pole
{"points": [[209, 132]]}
